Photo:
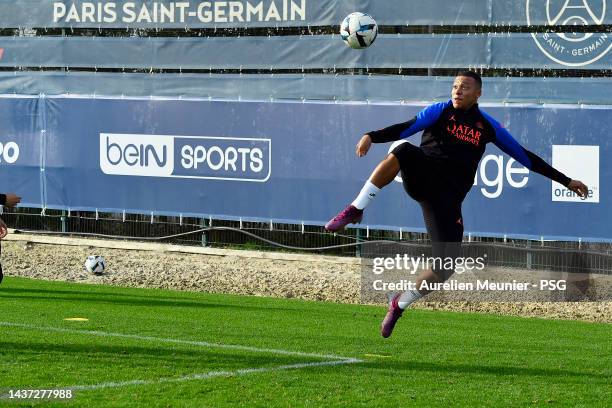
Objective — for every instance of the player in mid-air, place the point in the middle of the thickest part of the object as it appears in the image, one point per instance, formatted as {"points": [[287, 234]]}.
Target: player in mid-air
{"points": [[439, 174]]}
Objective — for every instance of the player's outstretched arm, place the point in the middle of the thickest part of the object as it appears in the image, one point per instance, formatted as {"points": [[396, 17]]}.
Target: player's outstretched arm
{"points": [[424, 119], [538, 165], [532, 161]]}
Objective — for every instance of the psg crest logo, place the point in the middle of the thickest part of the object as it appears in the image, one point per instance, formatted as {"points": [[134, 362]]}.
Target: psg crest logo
{"points": [[573, 49]]}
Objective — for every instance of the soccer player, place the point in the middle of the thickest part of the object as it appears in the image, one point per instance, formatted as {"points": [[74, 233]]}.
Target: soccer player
{"points": [[439, 174], [8, 200]]}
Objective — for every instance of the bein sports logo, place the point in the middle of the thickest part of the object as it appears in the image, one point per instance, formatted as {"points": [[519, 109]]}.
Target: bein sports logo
{"points": [[581, 163], [570, 49], [217, 158]]}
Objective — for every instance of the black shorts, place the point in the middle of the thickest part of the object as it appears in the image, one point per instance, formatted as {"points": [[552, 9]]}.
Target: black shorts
{"points": [[426, 179]]}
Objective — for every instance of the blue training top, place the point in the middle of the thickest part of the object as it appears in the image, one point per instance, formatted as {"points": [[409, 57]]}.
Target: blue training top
{"points": [[457, 139]]}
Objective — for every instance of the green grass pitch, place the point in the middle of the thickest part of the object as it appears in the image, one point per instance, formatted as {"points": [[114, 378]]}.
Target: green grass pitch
{"points": [[158, 348]]}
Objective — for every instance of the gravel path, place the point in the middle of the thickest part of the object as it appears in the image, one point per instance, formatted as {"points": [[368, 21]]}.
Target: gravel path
{"points": [[310, 278]]}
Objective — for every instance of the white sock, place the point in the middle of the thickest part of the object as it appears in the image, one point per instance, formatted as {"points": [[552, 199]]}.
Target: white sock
{"points": [[367, 194], [407, 298]]}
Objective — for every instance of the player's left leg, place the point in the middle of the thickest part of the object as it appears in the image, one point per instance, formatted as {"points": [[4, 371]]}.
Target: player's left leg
{"points": [[445, 227], [444, 223]]}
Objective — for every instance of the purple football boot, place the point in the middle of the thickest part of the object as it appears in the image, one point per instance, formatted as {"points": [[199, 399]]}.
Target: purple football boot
{"points": [[350, 215], [393, 314]]}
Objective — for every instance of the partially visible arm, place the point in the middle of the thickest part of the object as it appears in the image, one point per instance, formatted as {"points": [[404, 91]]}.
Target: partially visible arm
{"points": [[9, 199], [424, 119], [3, 229]]}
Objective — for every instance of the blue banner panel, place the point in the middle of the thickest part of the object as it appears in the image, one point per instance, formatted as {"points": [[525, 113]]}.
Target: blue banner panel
{"points": [[387, 88], [295, 162], [287, 13], [312, 51], [21, 140]]}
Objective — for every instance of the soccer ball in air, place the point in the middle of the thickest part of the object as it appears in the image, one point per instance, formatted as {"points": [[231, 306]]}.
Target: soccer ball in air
{"points": [[95, 264], [358, 30]]}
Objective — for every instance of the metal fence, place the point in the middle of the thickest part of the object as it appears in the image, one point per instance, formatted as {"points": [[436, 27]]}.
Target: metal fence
{"points": [[567, 256]]}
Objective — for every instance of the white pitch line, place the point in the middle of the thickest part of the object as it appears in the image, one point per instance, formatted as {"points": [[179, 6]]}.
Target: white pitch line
{"points": [[177, 341], [213, 374], [337, 360]]}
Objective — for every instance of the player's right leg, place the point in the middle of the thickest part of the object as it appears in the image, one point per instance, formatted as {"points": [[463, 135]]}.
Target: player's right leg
{"points": [[382, 175]]}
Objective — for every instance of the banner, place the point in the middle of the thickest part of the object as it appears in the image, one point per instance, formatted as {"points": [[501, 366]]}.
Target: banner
{"points": [[545, 51], [379, 88], [22, 143], [287, 13], [294, 162]]}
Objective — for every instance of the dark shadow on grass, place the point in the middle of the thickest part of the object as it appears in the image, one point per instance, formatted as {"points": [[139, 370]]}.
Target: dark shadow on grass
{"points": [[492, 370], [163, 352], [124, 299], [86, 287]]}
